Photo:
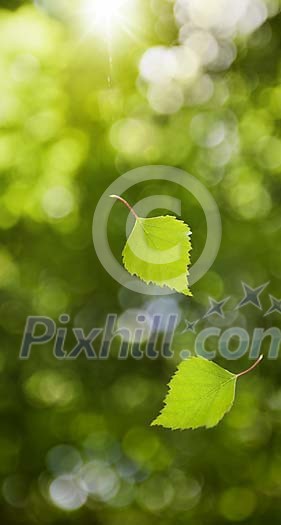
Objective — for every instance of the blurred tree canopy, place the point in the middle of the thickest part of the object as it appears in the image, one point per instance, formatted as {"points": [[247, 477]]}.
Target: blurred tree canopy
{"points": [[193, 87]]}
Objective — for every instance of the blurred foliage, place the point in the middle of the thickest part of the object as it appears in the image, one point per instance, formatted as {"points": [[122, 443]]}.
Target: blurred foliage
{"points": [[75, 442]]}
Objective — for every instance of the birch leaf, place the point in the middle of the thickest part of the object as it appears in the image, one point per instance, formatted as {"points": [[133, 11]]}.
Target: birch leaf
{"points": [[157, 251]]}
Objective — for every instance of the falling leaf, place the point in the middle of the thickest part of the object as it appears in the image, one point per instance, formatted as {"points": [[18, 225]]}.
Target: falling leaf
{"points": [[200, 394], [157, 251]]}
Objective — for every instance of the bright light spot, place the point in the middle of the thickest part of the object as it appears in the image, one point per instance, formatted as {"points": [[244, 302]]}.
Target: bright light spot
{"points": [[107, 17], [49, 388], [158, 65], [155, 494], [58, 202], [224, 17], [132, 320], [105, 11], [63, 460], [133, 137], [177, 76], [202, 43], [8, 269], [167, 99], [161, 65], [163, 307], [200, 91], [99, 480], [66, 494]]}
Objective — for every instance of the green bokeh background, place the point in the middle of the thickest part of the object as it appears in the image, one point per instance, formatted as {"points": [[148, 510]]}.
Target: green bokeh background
{"points": [[67, 132]]}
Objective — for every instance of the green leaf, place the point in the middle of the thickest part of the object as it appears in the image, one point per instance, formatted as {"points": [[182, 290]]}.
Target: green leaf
{"points": [[157, 251], [200, 394]]}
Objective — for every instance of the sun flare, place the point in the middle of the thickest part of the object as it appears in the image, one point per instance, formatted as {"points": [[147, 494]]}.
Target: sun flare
{"points": [[108, 18]]}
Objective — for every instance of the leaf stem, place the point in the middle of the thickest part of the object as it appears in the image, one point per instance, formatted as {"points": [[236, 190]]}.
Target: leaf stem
{"points": [[251, 367], [126, 204]]}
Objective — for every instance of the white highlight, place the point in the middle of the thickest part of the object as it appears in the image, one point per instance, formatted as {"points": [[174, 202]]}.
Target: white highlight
{"points": [[107, 17], [178, 75]]}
